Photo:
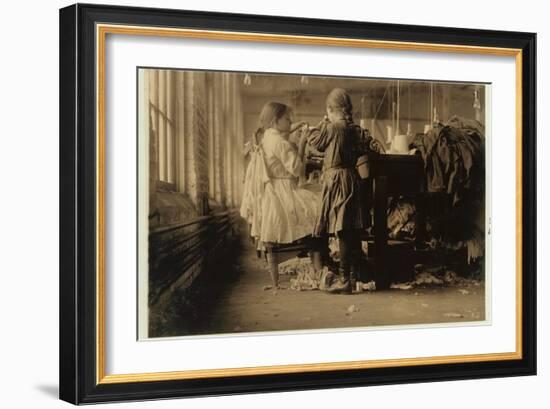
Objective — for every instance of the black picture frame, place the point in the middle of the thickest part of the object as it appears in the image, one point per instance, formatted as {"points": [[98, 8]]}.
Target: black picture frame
{"points": [[78, 157]]}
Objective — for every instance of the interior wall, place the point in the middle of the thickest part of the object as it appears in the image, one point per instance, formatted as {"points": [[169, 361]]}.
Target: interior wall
{"points": [[196, 133], [195, 180], [374, 99]]}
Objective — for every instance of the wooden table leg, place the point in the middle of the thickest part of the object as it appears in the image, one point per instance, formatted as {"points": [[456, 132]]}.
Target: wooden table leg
{"points": [[420, 203], [381, 274]]}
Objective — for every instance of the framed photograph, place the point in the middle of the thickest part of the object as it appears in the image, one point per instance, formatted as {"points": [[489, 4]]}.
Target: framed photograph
{"points": [[256, 203]]}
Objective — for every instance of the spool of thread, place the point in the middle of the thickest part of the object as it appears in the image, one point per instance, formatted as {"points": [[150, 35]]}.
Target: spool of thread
{"points": [[389, 134], [400, 144]]}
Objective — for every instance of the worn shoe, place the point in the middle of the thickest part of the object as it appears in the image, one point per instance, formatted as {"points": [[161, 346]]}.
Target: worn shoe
{"points": [[340, 286]]}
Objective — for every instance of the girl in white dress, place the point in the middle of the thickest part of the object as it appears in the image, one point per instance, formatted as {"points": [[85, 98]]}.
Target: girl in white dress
{"points": [[287, 212]]}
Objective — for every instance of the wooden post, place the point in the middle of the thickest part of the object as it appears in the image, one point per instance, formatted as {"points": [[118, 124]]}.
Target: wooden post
{"points": [[382, 278], [153, 143], [162, 125], [170, 126]]}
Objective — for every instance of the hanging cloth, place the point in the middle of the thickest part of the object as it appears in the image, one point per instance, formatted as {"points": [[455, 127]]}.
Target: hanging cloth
{"points": [[256, 177]]}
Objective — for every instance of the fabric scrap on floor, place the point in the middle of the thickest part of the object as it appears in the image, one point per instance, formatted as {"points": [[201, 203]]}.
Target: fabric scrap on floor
{"points": [[295, 265], [427, 278], [311, 279], [436, 276], [401, 286], [369, 286], [352, 308]]}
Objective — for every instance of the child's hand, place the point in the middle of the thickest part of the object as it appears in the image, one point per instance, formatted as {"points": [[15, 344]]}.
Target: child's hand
{"points": [[297, 126], [305, 133]]}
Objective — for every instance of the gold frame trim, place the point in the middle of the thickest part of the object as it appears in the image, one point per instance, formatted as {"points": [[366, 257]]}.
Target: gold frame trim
{"points": [[102, 30]]}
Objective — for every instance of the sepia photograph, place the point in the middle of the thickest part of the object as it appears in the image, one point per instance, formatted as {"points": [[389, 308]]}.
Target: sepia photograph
{"points": [[254, 203], [288, 202]]}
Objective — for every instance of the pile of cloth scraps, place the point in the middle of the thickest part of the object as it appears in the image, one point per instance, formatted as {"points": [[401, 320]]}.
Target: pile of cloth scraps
{"points": [[401, 218], [305, 276], [453, 156], [295, 266], [437, 276]]}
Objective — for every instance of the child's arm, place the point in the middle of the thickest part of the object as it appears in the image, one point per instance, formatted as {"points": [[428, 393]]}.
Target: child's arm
{"points": [[303, 141], [321, 136], [290, 157]]}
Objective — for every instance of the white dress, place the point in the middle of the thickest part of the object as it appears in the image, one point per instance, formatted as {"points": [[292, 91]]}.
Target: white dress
{"points": [[288, 212]]}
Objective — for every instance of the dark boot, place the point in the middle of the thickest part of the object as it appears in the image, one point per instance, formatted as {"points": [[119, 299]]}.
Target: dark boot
{"points": [[342, 284]]}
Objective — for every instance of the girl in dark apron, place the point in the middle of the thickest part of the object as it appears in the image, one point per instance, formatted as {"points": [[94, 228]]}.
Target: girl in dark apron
{"points": [[342, 211]]}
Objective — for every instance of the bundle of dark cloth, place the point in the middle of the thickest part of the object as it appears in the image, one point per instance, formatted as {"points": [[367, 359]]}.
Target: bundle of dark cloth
{"points": [[454, 158]]}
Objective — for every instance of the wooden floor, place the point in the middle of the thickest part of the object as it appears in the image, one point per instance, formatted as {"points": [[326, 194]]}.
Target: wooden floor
{"points": [[244, 306]]}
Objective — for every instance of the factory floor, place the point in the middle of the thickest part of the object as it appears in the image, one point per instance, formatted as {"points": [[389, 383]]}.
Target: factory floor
{"points": [[245, 304]]}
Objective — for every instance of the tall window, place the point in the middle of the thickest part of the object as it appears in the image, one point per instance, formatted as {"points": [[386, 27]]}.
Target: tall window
{"points": [[211, 137], [162, 106]]}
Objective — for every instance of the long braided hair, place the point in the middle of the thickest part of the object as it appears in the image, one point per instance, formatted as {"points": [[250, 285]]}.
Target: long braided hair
{"points": [[339, 99]]}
